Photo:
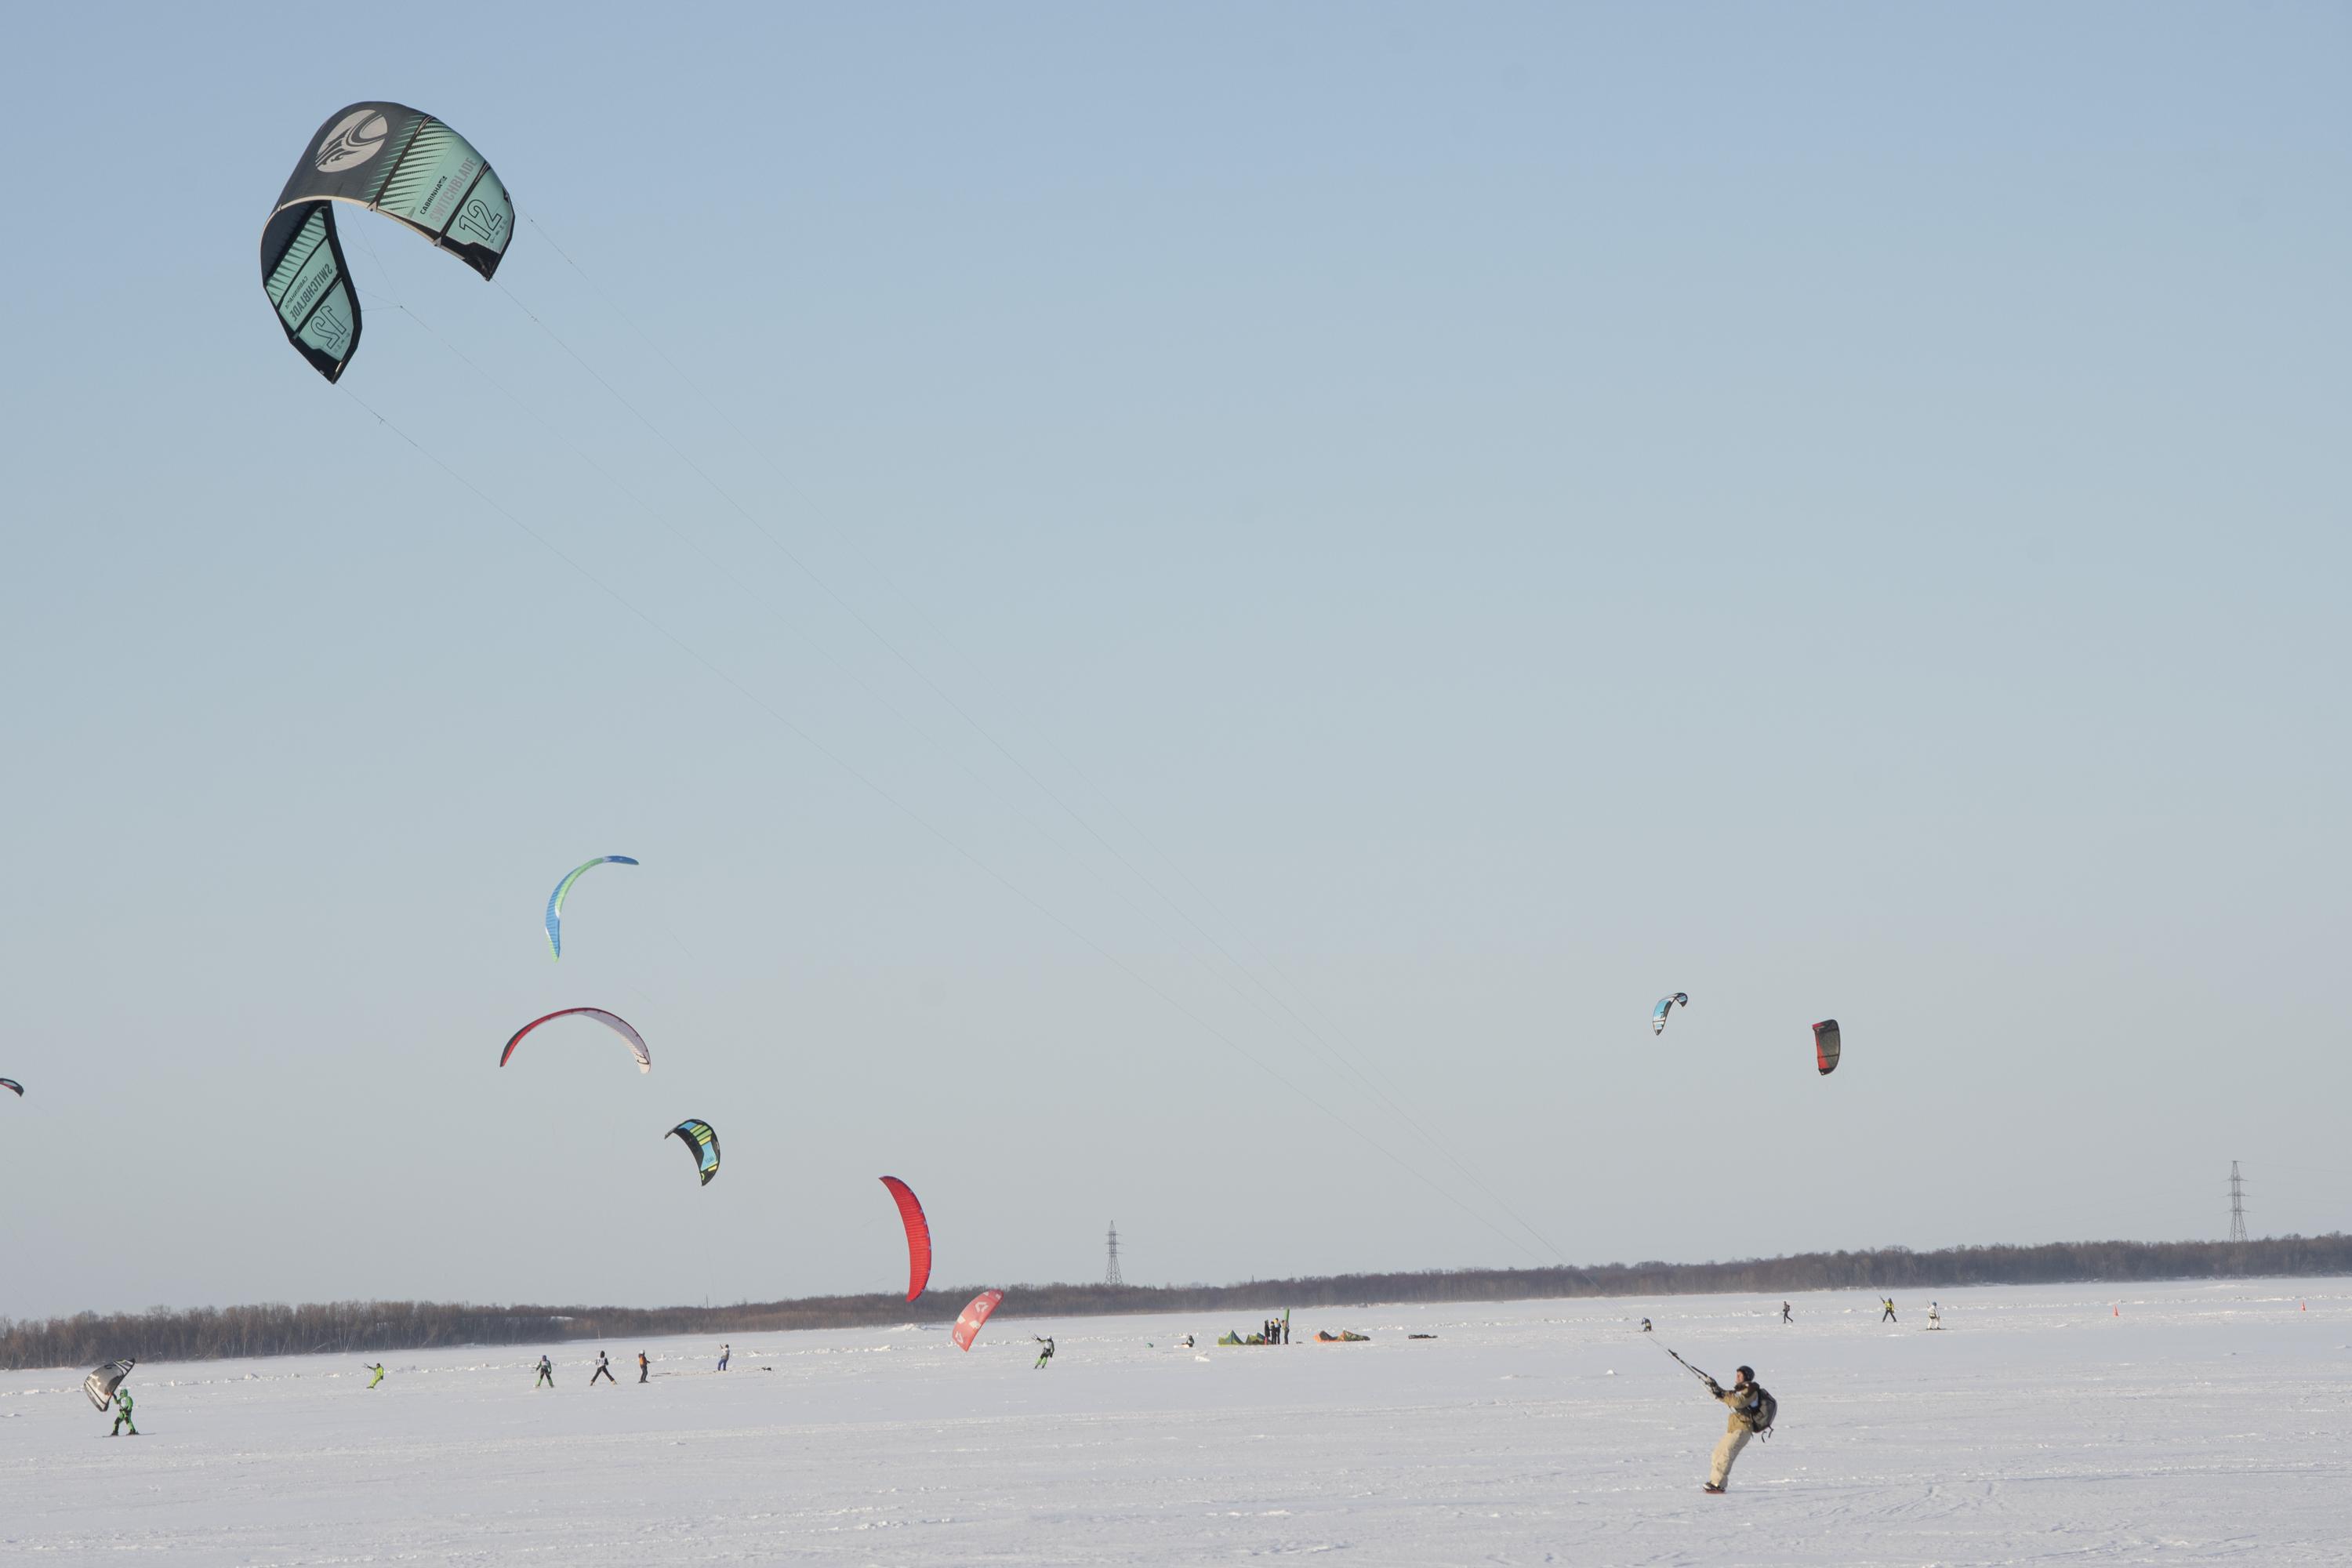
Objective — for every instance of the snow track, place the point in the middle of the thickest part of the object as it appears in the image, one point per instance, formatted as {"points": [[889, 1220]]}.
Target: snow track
{"points": [[2207, 1424]]}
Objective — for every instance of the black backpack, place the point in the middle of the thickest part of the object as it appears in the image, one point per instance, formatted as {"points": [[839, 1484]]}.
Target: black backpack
{"points": [[1766, 1411]]}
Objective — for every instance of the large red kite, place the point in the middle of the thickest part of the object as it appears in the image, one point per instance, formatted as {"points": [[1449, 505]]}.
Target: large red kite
{"points": [[919, 1237]]}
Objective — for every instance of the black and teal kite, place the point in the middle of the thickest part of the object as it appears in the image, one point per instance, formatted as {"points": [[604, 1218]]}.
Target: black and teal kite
{"points": [[701, 1142], [388, 158]]}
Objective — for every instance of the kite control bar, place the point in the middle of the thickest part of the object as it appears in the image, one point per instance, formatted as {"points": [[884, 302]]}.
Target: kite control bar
{"points": [[1692, 1370]]}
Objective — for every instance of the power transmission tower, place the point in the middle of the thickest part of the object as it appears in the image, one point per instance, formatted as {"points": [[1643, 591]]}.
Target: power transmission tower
{"points": [[2237, 1205], [1112, 1276]]}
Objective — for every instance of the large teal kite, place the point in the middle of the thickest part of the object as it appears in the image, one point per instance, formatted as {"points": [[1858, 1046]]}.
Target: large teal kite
{"points": [[391, 159], [701, 1142], [562, 891]]}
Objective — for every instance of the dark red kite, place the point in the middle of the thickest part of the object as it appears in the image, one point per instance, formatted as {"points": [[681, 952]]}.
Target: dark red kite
{"points": [[919, 1237]]}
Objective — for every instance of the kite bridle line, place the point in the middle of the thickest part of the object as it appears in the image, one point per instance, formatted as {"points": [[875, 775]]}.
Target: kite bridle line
{"points": [[1322, 1045], [985, 868]]}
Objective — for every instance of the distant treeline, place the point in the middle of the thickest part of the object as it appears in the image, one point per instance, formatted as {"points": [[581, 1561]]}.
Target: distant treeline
{"points": [[203, 1332]]}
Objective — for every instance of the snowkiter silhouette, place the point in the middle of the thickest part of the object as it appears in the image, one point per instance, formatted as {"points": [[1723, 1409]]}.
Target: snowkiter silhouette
{"points": [[641, 1366], [1888, 1316], [1784, 1314], [546, 1372], [1044, 1355], [604, 1370], [378, 1370], [122, 1403]]}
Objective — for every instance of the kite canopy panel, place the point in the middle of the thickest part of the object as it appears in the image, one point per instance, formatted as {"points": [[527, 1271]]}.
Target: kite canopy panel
{"points": [[391, 159], [919, 1235], [563, 890], [11, 1083], [702, 1143], [612, 1021], [1658, 1013], [1825, 1045], [975, 1312], [100, 1384]]}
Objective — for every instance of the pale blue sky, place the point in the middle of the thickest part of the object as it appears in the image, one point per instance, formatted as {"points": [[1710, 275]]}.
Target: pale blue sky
{"points": [[1499, 513]]}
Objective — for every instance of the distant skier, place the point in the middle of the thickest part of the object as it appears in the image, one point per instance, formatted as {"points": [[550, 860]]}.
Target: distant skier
{"points": [[378, 1370], [546, 1372], [1888, 1315], [122, 1403], [604, 1370], [1044, 1355], [1784, 1314], [641, 1366], [1935, 1316], [1187, 1342], [724, 1352], [1747, 1400], [1646, 1328]]}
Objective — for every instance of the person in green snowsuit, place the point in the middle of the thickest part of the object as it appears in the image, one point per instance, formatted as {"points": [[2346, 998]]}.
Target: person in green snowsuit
{"points": [[122, 1403], [378, 1370], [1047, 1353]]}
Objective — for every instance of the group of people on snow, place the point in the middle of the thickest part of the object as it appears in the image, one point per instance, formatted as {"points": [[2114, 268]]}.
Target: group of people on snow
{"points": [[1751, 1409], [604, 1369]]}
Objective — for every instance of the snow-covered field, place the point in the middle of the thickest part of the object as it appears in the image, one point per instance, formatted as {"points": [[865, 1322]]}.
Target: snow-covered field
{"points": [[2205, 1422]]}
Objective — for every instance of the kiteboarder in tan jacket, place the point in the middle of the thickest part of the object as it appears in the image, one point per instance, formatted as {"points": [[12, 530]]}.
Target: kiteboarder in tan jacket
{"points": [[1746, 1401]]}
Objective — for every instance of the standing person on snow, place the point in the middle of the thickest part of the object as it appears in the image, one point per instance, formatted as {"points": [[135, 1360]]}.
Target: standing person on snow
{"points": [[724, 1352], [604, 1370], [1044, 1355], [1888, 1316], [1646, 1328], [1784, 1314], [1935, 1316], [641, 1366], [546, 1372], [378, 1370], [1746, 1397], [122, 1403]]}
